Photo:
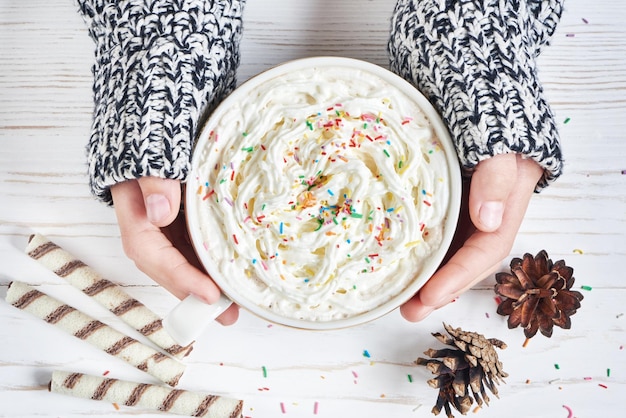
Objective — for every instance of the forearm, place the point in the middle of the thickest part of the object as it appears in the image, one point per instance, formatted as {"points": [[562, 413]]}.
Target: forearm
{"points": [[475, 61], [159, 66]]}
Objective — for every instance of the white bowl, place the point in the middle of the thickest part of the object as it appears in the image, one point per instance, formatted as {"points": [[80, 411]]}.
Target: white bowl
{"points": [[244, 91]]}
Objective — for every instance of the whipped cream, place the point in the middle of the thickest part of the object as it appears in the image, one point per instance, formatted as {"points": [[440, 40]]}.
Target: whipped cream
{"points": [[321, 193]]}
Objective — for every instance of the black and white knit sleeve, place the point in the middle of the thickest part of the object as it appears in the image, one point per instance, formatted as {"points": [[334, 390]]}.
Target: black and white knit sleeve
{"points": [[159, 65], [476, 62]]}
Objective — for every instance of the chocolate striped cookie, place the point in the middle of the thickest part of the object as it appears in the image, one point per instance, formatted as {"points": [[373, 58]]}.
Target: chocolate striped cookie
{"points": [[82, 326], [105, 292], [158, 398]]}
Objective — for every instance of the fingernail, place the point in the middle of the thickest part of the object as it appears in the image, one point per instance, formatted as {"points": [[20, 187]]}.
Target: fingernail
{"points": [[157, 207], [491, 214]]}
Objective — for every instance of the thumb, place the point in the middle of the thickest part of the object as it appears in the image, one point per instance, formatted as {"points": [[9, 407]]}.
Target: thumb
{"points": [[492, 182], [161, 198]]}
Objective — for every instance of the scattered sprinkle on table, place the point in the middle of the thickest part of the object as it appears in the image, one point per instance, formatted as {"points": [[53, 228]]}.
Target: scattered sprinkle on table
{"points": [[570, 413], [608, 372], [366, 354], [586, 287], [316, 407], [282, 408], [577, 251], [603, 386], [566, 121], [410, 378], [556, 366], [264, 371]]}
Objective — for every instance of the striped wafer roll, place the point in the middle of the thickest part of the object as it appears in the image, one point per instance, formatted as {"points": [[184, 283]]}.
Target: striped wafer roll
{"points": [[105, 292], [82, 326], [158, 398]]}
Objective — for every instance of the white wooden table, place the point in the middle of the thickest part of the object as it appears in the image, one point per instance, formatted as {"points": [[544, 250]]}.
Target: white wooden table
{"points": [[45, 114]]}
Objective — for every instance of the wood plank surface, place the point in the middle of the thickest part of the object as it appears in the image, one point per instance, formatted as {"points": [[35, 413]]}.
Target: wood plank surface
{"points": [[45, 115]]}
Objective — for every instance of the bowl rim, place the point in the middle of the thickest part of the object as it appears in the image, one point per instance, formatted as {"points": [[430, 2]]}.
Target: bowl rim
{"points": [[450, 223]]}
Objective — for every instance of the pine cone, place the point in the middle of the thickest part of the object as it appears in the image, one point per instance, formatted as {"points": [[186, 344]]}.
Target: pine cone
{"points": [[538, 294], [473, 363]]}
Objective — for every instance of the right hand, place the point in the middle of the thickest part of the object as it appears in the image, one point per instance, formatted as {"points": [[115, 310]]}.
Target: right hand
{"points": [[154, 236]]}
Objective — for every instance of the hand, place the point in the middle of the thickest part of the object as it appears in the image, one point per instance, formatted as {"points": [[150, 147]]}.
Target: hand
{"points": [[154, 236], [499, 193]]}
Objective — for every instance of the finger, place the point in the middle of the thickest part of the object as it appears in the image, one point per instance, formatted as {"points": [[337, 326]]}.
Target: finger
{"points": [[161, 199], [471, 264], [152, 252], [492, 182], [229, 316]]}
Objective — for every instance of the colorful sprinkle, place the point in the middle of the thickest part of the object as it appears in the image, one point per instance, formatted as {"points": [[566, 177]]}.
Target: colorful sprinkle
{"points": [[410, 378], [556, 366], [603, 386], [570, 413], [608, 372], [577, 251], [235, 239], [282, 408], [316, 406], [566, 121], [264, 371], [366, 354], [116, 406], [586, 287]]}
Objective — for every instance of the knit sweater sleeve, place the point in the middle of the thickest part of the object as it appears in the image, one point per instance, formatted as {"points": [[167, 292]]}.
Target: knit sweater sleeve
{"points": [[476, 62], [159, 65]]}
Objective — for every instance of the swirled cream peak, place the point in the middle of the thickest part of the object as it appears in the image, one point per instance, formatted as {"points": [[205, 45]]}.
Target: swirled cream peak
{"points": [[321, 193]]}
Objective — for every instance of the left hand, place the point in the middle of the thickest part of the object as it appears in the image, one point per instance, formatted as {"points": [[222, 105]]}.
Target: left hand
{"points": [[492, 210]]}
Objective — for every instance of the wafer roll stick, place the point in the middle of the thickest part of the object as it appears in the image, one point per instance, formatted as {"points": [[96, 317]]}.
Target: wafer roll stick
{"points": [[157, 398], [105, 292], [82, 326]]}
